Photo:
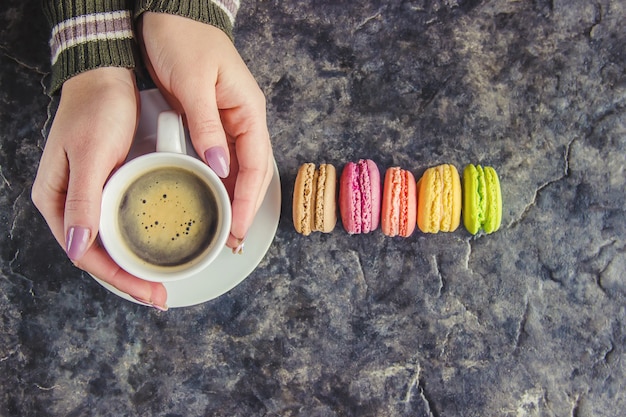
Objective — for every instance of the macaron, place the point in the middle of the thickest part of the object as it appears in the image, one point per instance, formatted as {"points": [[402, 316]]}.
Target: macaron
{"points": [[399, 209], [482, 199], [359, 196], [439, 199], [314, 199]]}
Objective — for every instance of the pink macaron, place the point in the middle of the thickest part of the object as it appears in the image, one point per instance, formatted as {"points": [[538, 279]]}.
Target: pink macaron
{"points": [[359, 196]]}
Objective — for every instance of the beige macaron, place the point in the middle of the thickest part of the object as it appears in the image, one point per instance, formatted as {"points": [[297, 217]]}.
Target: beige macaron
{"points": [[314, 199]]}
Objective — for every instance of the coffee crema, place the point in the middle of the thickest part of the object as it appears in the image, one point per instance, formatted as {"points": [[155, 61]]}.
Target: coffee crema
{"points": [[168, 216]]}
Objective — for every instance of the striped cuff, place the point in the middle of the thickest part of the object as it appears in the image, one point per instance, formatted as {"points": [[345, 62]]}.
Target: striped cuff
{"points": [[219, 13], [86, 35], [107, 26]]}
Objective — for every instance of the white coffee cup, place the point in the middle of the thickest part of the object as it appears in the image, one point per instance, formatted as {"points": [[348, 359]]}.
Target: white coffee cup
{"points": [[165, 215]]}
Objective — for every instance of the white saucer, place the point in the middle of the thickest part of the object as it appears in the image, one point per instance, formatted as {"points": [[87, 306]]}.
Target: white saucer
{"points": [[228, 270]]}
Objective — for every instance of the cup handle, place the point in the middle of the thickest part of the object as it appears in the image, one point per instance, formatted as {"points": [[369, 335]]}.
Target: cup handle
{"points": [[170, 133]]}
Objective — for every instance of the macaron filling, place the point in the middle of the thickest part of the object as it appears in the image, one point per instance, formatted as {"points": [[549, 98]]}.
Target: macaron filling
{"points": [[396, 198], [446, 199], [403, 227], [437, 199], [319, 197], [482, 195], [355, 195], [365, 190]]}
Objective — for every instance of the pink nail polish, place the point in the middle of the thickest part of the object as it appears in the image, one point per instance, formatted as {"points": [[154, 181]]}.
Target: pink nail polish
{"points": [[150, 303], [217, 160], [76, 242], [238, 250], [160, 308]]}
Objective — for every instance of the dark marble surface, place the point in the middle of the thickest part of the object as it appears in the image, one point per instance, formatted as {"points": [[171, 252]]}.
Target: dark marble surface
{"points": [[529, 321]]}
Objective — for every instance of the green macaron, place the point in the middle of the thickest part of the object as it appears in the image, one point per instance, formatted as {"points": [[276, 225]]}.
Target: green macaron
{"points": [[482, 199]]}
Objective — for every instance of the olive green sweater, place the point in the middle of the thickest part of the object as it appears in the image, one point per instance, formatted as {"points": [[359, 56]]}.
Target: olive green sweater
{"points": [[88, 34]]}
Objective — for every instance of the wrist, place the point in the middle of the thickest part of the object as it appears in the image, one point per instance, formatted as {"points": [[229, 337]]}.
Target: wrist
{"points": [[104, 77], [107, 85]]}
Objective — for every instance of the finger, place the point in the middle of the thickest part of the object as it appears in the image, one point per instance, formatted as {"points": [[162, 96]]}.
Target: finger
{"points": [[48, 191], [239, 226], [254, 174], [97, 262], [83, 200], [203, 121], [247, 128]]}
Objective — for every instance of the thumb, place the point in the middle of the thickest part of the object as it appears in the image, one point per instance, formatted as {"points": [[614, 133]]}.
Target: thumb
{"points": [[205, 128], [82, 205]]}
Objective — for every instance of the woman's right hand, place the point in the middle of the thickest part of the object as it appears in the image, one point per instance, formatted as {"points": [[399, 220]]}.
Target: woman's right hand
{"points": [[90, 137], [199, 70]]}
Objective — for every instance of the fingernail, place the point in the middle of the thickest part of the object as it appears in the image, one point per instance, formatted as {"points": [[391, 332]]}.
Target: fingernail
{"points": [[76, 242], [160, 308], [150, 303], [216, 159], [238, 250]]}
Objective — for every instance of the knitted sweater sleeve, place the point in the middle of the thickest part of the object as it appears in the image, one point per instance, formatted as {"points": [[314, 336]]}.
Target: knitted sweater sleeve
{"points": [[219, 13], [88, 34]]}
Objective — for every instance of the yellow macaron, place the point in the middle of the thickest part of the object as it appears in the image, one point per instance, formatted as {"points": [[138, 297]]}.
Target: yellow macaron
{"points": [[439, 199]]}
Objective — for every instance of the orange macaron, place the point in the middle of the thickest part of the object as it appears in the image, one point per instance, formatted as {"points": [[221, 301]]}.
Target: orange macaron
{"points": [[399, 209]]}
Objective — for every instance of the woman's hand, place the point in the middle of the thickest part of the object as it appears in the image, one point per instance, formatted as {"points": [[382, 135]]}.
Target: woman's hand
{"points": [[198, 69], [90, 137]]}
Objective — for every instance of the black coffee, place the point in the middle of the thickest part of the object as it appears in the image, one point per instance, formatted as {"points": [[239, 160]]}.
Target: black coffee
{"points": [[168, 216]]}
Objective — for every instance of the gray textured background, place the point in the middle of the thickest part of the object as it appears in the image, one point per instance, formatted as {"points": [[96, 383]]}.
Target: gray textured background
{"points": [[528, 321]]}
